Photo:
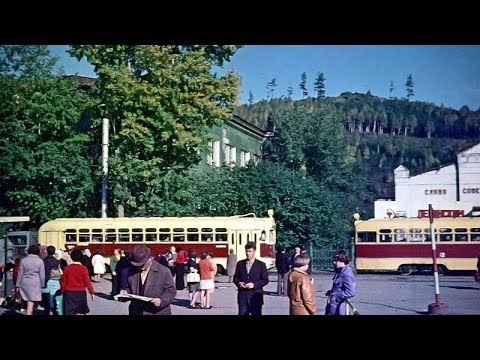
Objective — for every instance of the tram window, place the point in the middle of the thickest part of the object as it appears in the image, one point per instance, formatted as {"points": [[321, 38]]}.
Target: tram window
{"points": [[475, 236], [366, 236], [165, 237], [416, 235], [151, 237], [401, 235], [255, 238], [427, 234], [84, 235], [248, 238], [461, 234], [123, 235], [111, 237], [192, 234], [178, 237], [192, 237], [221, 234], [220, 237], [239, 239], [70, 237], [137, 237], [97, 237], [445, 234], [164, 234], [385, 235], [233, 239], [207, 234]]}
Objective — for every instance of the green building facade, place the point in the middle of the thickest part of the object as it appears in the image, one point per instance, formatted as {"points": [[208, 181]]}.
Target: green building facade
{"points": [[235, 143]]}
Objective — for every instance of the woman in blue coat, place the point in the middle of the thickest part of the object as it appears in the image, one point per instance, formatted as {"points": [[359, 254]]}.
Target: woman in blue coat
{"points": [[343, 285]]}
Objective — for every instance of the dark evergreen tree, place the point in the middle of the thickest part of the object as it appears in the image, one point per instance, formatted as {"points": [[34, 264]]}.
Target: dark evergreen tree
{"points": [[289, 92], [409, 86], [250, 97], [319, 85], [303, 84]]}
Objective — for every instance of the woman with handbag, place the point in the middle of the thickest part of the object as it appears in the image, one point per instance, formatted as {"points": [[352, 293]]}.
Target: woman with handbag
{"points": [[193, 278]]}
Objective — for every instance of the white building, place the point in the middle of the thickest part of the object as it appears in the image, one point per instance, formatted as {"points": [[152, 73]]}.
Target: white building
{"points": [[453, 188]]}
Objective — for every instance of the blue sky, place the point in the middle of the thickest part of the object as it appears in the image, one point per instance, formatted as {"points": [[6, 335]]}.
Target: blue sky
{"points": [[442, 74]]}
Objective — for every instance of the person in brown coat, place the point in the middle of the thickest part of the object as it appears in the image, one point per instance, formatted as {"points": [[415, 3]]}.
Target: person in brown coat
{"points": [[300, 288]]}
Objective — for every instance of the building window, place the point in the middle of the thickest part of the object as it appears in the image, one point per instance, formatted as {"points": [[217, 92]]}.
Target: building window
{"points": [[230, 155], [213, 158], [244, 158], [256, 159]]}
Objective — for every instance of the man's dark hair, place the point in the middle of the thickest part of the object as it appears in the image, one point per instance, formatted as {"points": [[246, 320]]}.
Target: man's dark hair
{"points": [[250, 245], [76, 255], [51, 250], [34, 249]]}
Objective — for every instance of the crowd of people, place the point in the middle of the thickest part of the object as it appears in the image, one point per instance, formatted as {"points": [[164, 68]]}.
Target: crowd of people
{"points": [[61, 281]]}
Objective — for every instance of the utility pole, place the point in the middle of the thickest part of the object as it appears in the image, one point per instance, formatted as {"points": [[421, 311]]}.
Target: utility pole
{"points": [[104, 166], [437, 308]]}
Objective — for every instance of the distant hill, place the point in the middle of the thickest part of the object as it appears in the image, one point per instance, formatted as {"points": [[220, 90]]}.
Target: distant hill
{"points": [[386, 133]]}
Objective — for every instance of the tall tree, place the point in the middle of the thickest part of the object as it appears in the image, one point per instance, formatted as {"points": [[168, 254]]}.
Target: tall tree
{"points": [[303, 84], [49, 166], [250, 97], [409, 86], [161, 101], [289, 92], [391, 89], [272, 86], [319, 85]]}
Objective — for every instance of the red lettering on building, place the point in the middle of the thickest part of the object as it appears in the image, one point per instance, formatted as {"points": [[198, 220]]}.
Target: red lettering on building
{"points": [[441, 213]]}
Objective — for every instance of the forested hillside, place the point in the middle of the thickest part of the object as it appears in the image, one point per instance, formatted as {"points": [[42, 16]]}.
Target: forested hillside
{"points": [[384, 133]]}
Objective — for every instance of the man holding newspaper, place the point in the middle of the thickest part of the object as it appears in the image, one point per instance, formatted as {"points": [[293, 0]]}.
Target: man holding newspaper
{"points": [[151, 287]]}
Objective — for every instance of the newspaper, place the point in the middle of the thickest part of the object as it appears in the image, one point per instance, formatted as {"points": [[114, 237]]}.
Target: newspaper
{"points": [[128, 297]]}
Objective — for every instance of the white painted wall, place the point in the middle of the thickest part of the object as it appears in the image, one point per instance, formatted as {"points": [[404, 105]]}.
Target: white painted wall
{"points": [[436, 187]]}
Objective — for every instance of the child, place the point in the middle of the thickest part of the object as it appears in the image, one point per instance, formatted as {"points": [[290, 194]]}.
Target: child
{"points": [[53, 285], [300, 288]]}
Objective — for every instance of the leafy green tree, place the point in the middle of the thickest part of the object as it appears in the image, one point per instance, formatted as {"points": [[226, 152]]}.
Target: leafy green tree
{"points": [[161, 101], [303, 84], [409, 86], [49, 165], [319, 85], [305, 212]]}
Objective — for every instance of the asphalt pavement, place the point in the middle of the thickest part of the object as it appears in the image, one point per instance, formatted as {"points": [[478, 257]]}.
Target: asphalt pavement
{"points": [[377, 294]]}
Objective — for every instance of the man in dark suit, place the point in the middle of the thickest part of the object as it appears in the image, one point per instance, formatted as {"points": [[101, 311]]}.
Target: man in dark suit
{"points": [[152, 280], [250, 277]]}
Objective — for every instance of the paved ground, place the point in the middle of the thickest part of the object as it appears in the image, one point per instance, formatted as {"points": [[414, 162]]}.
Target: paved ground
{"points": [[377, 294]]}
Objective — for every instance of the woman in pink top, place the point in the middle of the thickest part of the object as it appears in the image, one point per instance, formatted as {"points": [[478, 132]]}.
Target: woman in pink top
{"points": [[207, 269]]}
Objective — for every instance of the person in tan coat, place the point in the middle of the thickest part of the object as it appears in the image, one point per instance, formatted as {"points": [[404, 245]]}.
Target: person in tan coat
{"points": [[300, 288]]}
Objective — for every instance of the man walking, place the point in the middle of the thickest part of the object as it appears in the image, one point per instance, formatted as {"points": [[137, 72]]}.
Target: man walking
{"points": [[282, 262], [250, 277]]}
